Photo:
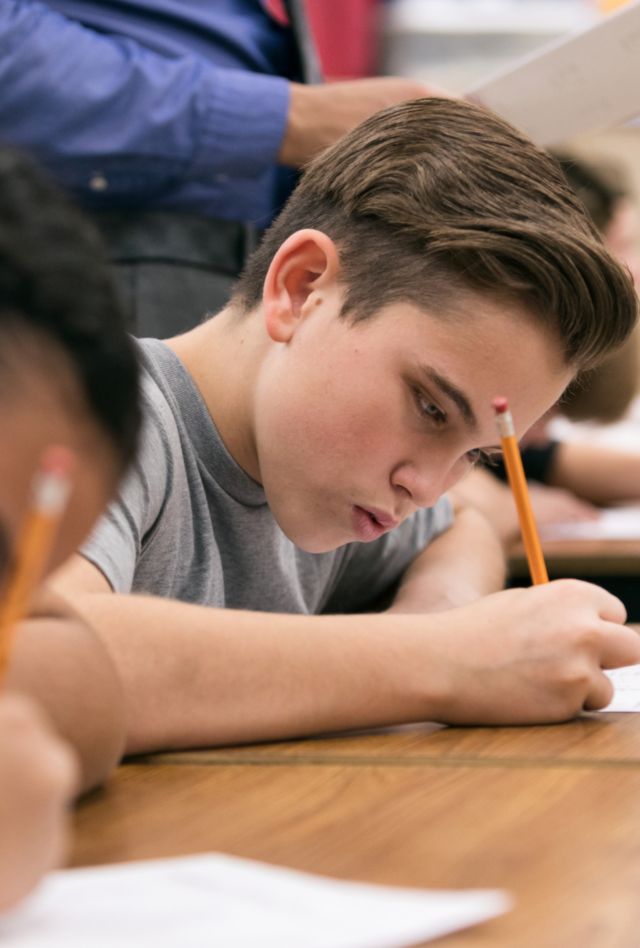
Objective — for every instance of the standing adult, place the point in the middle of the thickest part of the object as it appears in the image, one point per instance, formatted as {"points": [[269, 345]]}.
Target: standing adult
{"points": [[180, 125]]}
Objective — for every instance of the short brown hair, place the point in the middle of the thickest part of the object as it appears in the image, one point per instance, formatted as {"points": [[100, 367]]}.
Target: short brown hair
{"points": [[435, 197]]}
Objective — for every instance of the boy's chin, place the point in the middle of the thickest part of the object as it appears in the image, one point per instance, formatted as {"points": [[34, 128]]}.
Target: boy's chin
{"points": [[313, 541]]}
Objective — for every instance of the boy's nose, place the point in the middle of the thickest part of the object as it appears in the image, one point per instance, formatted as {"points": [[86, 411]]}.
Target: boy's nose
{"points": [[424, 484]]}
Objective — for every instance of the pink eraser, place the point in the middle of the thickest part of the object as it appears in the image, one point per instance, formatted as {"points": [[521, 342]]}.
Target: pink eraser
{"points": [[58, 461], [500, 405]]}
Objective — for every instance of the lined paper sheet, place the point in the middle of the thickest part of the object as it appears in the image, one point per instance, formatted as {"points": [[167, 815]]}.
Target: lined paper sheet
{"points": [[221, 901], [581, 84], [626, 681], [615, 523]]}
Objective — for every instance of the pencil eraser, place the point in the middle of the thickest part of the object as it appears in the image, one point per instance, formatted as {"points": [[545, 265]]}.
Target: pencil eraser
{"points": [[500, 405], [57, 460]]}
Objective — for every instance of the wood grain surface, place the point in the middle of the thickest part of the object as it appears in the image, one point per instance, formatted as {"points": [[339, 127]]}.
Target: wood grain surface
{"points": [[552, 814]]}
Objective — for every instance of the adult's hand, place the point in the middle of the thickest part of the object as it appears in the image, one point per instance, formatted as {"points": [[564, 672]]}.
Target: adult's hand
{"points": [[320, 114]]}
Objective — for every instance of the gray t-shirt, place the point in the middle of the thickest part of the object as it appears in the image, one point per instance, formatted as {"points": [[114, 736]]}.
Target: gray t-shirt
{"points": [[190, 524]]}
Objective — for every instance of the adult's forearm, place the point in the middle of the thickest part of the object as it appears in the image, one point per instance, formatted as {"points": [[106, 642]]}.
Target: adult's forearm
{"points": [[321, 114], [186, 118]]}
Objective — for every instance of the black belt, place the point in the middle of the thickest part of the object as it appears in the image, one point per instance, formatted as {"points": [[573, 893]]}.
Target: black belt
{"points": [[164, 236]]}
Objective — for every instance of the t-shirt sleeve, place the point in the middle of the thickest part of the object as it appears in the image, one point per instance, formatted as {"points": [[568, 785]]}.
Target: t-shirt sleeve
{"points": [[115, 545], [369, 570]]}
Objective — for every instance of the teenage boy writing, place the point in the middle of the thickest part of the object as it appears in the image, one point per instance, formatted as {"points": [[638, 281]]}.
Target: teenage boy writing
{"points": [[298, 445], [62, 343]]}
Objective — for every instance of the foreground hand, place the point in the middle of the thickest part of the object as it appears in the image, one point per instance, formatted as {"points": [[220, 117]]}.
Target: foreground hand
{"points": [[38, 775]]}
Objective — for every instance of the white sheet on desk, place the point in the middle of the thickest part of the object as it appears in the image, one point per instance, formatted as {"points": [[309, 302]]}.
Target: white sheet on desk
{"points": [[218, 900], [626, 681], [616, 523]]}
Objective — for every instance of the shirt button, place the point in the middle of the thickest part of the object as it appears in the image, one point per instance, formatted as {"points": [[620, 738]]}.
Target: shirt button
{"points": [[98, 182], [222, 178]]}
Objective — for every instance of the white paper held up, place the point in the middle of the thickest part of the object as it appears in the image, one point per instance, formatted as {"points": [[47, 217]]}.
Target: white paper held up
{"points": [[584, 83]]}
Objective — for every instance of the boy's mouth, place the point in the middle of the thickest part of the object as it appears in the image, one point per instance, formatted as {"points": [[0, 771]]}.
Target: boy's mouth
{"points": [[370, 523]]}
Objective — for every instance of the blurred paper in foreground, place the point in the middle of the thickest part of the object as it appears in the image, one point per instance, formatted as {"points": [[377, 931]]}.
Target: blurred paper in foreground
{"points": [[217, 900]]}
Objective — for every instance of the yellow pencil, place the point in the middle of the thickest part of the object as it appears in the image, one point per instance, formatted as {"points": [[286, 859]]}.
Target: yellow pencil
{"points": [[518, 482], [50, 493]]}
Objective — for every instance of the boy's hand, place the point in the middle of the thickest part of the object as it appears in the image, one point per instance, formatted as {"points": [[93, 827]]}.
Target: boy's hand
{"points": [[38, 776], [533, 655]]}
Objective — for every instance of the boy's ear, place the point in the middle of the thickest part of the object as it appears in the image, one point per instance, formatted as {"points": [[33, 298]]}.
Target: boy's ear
{"points": [[306, 264]]}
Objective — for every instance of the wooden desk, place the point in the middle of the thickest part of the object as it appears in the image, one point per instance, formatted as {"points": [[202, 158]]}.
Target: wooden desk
{"points": [[593, 740], [551, 814], [613, 564], [583, 558]]}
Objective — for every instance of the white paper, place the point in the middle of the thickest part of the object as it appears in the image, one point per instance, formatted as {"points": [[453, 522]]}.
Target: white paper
{"points": [[581, 84], [626, 681], [622, 435], [616, 523], [218, 901]]}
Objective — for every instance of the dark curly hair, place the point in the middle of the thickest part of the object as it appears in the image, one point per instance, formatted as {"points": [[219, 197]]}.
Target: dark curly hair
{"points": [[55, 285]]}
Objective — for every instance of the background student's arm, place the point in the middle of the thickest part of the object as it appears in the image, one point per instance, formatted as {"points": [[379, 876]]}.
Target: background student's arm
{"points": [[492, 497], [461, 565], [38, 775], [59, 661], [597, 473], [196, 676]]}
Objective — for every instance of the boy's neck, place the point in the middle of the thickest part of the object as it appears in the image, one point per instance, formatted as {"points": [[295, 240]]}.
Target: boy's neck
{"points": [[223, 357]]}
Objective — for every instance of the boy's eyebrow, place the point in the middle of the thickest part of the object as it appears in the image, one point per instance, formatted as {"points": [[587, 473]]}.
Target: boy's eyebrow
{"points": [[454, 393]]}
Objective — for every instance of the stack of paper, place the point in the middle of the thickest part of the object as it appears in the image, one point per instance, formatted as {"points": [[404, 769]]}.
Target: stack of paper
{"points": [[626, 682], [616, 523]]}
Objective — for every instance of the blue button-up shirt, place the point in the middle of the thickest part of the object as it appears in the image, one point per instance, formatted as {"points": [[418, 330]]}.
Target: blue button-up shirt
{"points": [[175, 104]]}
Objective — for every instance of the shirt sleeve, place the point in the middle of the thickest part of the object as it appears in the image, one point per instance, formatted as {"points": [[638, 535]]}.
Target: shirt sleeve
{"points": [[369, 570], [116, 543], [83, 102]]}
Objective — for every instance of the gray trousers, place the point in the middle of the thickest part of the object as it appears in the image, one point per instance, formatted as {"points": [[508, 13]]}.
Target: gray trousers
{"points": [[173, 269]]}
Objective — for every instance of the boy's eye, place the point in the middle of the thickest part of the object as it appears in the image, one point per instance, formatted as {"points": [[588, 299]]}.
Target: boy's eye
{"points": [[429, 409]]}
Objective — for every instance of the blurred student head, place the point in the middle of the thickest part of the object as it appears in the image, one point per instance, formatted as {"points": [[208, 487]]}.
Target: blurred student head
{"points": [[605, 392], [68, 370]]}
